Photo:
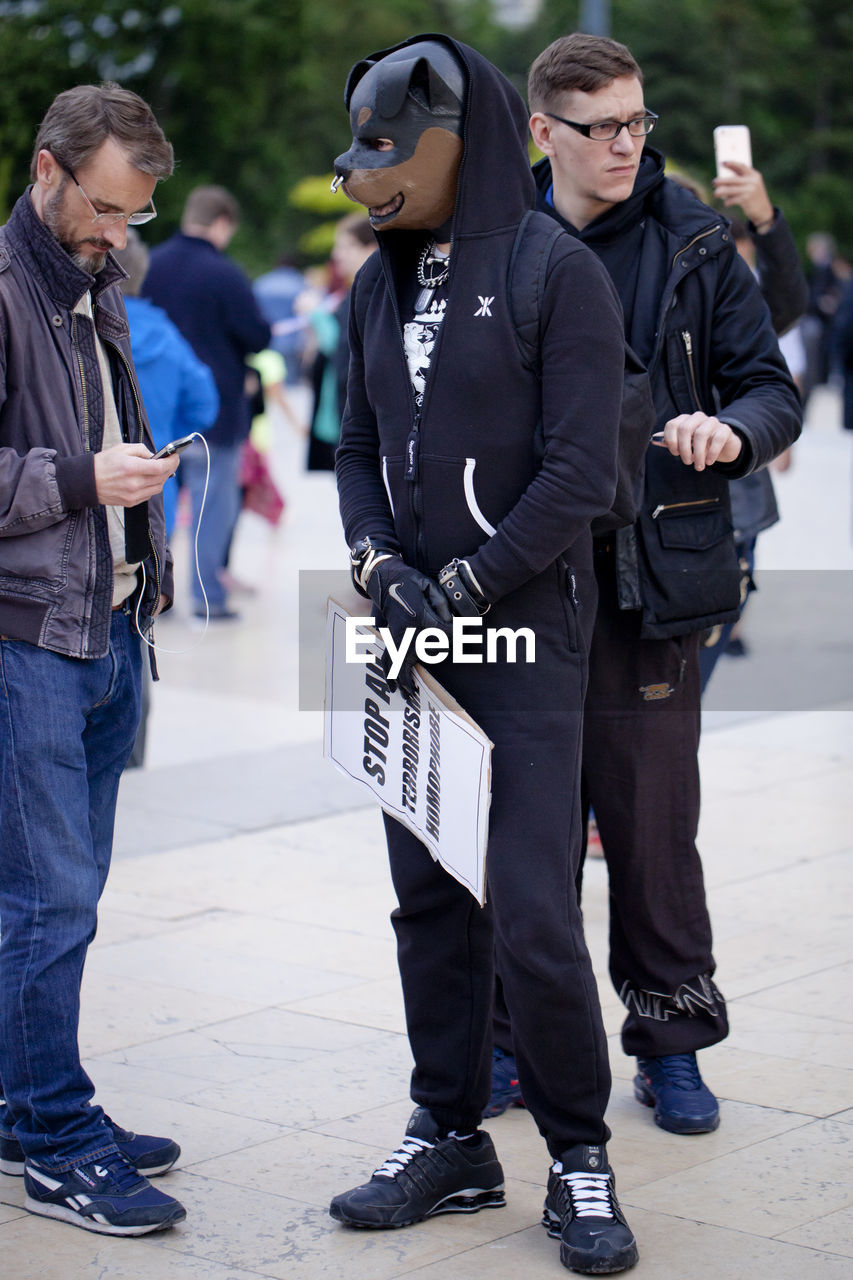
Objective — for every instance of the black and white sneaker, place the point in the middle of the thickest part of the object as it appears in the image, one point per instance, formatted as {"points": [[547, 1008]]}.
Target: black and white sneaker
{"points": [[582, 1212], [107, 1196], [429, 1173]]}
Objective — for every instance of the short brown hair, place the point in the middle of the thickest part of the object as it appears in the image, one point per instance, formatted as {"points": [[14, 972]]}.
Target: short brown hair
{"points": [[358, 226], [81, 119], [205, 204], [578, 61]]}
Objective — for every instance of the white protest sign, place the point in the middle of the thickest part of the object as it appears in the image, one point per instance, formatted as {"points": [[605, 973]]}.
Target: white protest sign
{"points": [[426, 761]]}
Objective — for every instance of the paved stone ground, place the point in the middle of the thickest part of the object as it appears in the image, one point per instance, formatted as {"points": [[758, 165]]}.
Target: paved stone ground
{"points": [[242, 992]]}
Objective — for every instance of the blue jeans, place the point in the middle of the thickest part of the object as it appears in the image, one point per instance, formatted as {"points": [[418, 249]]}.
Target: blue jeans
{"points": [[221, 509], [67, 726]]}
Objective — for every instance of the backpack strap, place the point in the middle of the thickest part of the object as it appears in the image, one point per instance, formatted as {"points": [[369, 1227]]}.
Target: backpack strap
{"points": [[528, 269]]}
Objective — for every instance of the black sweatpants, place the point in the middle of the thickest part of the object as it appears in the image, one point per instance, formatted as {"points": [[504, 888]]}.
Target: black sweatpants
{"points": [[641, 777], [447, 944]]}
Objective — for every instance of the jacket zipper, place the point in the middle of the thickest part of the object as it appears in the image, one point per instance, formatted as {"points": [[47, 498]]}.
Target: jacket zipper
{"points": [[79, 360], [674, 506], [687, 339], [138, 407], [661, 333]]}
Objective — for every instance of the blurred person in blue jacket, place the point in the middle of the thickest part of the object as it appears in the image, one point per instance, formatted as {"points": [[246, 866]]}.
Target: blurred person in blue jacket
{"points": [[276, 292], [178, 390], [210, 300]]}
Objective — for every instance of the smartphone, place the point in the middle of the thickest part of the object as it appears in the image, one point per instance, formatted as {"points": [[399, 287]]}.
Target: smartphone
{"points": [[174, 446], [732, 142]]}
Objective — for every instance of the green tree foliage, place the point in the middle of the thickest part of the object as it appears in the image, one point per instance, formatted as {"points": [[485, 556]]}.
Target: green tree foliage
{"points": [[249, 92]]}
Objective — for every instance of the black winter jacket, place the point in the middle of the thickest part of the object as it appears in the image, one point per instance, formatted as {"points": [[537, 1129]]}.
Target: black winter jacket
{"points": [[56, 566], [701, 325], [465, 477]]}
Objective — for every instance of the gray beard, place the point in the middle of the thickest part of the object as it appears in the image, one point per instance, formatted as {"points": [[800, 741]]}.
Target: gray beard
{"points": [[86, 263], [90, 263]]}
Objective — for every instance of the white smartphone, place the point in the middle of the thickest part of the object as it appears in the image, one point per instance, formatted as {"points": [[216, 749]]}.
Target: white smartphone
{"points": [[732, 142]]}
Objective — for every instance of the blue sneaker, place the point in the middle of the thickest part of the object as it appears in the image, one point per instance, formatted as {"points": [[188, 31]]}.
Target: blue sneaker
{"points": [[505, 1087], [107, 1196], [673, 1086], [150, 1156]]}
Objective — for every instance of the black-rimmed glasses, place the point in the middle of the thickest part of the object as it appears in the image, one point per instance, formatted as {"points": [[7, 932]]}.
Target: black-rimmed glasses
{"points": [[607, 130], [110, 219]]}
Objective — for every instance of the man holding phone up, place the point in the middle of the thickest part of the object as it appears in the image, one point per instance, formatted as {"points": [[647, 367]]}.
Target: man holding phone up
{"points": [[725, 407], [83, 569]]}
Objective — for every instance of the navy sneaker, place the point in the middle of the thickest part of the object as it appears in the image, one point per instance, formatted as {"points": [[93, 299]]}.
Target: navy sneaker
{"points": [[673, 1086], [582, 1212], [429, 1173], [150, 1156], [506, 1091], [107, 1196]]}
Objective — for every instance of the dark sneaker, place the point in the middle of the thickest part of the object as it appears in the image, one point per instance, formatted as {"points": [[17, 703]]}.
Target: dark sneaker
{"points": [[505, 1087], [429, 1173], [150, 1156], [673, 1086], [582, 1212], [107, 1196]]}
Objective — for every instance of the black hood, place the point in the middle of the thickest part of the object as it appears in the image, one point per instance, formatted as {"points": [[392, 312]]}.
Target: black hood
{"points": [[616, 220], [678, 210], [495, 182]]}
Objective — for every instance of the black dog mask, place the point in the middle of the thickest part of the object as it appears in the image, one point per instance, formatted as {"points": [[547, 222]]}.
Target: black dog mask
{"points": [[406, 116]]}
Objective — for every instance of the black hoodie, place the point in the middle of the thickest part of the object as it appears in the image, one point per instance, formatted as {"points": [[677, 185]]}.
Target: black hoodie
{"points": [[465, 477]]}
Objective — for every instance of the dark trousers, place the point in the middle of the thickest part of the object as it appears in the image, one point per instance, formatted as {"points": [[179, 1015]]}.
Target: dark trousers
{"points": [[447, 944], [641, 777]]}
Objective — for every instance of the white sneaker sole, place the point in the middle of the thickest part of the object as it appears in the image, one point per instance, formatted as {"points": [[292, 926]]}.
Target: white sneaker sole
{"points": [[63, 1214]]}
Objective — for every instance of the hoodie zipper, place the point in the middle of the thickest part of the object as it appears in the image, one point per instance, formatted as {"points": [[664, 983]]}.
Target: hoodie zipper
{"points": [[411, 456]]}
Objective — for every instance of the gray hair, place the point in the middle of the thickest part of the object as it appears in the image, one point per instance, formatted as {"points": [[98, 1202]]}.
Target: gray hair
{"points": [[81, 119], [134, 258]]}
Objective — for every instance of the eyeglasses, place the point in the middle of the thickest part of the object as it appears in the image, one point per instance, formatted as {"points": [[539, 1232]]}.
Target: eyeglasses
{"points": [[607, 130], [110, 219]]}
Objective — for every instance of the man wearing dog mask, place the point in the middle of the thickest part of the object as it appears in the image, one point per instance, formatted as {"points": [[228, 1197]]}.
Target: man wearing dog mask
{"points": [[468, 480]]}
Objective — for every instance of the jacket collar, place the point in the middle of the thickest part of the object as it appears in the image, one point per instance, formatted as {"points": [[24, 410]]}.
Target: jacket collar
{"points": [[44, 257], [678, 211]]}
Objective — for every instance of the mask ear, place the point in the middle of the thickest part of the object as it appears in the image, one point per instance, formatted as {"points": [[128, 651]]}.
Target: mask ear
{"points": [[428, 84], [358, 72], [393, 87]]}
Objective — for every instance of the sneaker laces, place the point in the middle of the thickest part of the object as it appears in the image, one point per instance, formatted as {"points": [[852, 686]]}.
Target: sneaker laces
{"points": [[405, 1153], [122, 1173], [681, 1070], [590, 1194]]}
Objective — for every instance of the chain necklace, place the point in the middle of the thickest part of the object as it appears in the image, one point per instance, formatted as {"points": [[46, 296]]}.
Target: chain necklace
{"points": [[429, 257], [438, 275]]}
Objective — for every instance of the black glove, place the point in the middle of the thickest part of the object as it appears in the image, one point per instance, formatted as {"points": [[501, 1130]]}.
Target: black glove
{"points": [[407, 598], [404, 597]]}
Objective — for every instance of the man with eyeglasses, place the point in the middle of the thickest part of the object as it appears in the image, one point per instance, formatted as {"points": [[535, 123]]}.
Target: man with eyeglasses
{"points": [[725, 407], [84, 570]]}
